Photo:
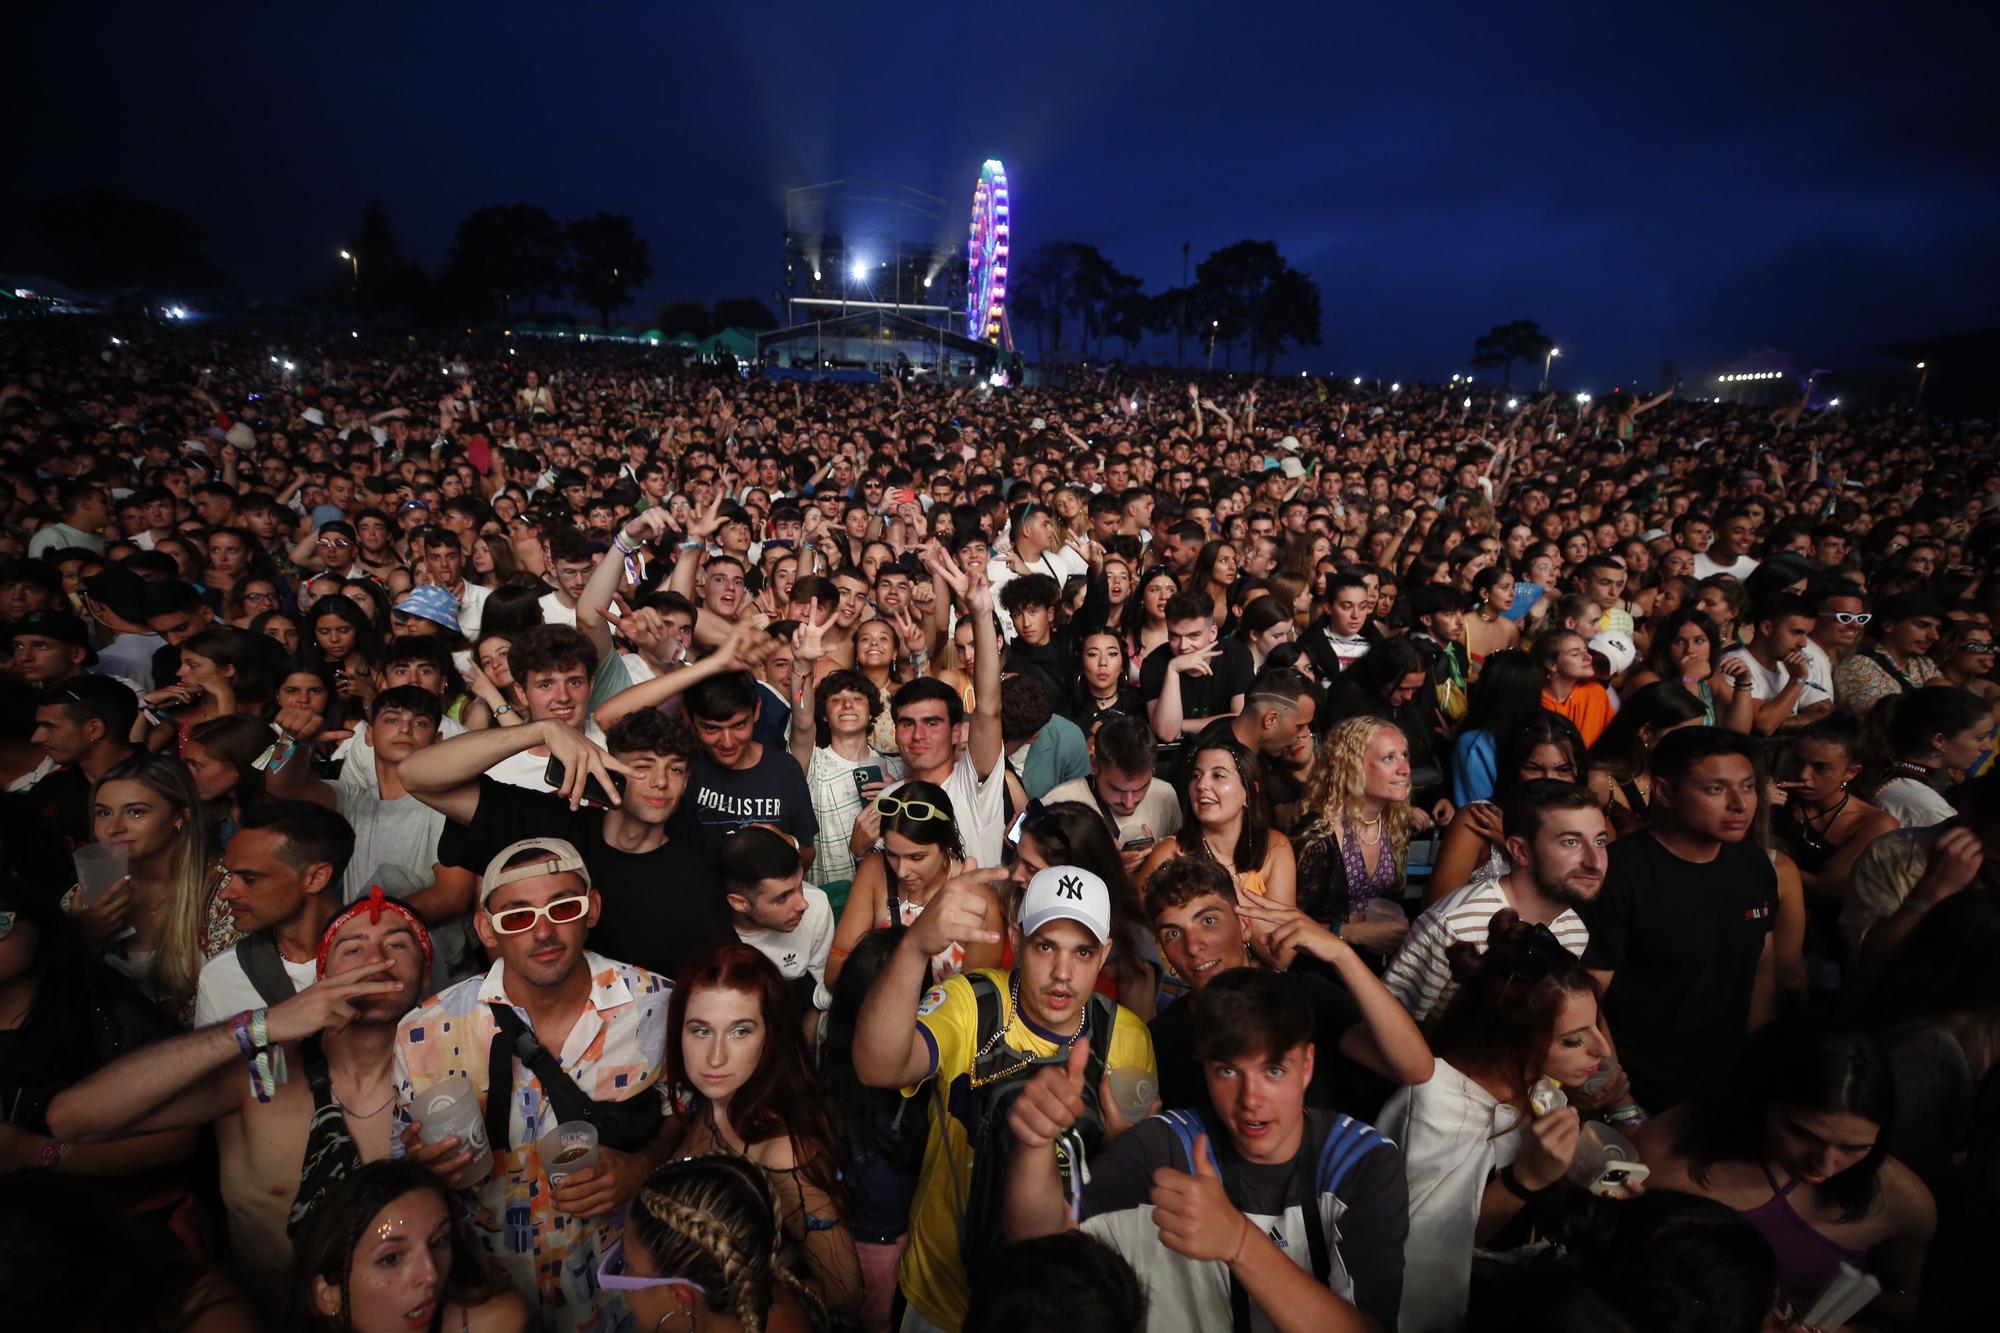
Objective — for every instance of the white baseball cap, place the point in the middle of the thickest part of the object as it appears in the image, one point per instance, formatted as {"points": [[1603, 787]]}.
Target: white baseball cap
{"points": [[1290, 444], [562, 856], [1617, 649], [1067, 893]]}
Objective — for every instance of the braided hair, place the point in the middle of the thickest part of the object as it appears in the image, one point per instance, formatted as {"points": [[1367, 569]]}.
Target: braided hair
{"points": [[713, 1220]]}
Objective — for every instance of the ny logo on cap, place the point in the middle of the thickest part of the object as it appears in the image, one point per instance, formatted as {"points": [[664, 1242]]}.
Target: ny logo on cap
{"points": [[1069, 886]]}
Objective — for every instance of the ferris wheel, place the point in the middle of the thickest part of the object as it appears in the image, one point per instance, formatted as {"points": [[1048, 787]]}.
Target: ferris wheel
{"points": [[986, 260]]}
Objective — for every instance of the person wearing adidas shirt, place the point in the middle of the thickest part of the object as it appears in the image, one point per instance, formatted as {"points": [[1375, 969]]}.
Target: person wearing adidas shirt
{"points": [[1262, 1215], [1556, 840], [775, 912]]}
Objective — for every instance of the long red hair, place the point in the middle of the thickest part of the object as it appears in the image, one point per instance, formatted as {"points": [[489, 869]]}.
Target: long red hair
{"points": [[781, 1097]]}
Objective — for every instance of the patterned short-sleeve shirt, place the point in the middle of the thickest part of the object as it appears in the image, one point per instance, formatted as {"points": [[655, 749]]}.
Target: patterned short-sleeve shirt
{"points": [[616, 1050]]}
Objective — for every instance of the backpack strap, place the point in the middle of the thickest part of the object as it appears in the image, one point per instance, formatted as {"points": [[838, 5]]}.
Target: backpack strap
{"points": [[258, 956], [1348, 1141], [990, 1013], [626, 1125], [1103, 1013]]}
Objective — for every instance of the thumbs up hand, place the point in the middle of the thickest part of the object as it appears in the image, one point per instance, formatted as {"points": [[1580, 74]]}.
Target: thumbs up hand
{"points": [[1193, 1212], [1051, 1101]]}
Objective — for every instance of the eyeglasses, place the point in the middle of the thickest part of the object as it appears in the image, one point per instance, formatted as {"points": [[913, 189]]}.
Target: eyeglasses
{"points": [[918, 810], [612, 1275], [517, 920], [1976, 646], [7, 920], [258, 597], [1847, 617]]}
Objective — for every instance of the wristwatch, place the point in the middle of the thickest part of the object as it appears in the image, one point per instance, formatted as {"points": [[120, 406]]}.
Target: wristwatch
{"points": [[503, 710]]}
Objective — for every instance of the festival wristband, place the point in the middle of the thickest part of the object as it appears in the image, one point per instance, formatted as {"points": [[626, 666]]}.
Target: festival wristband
{"points": [[239, 1027]]}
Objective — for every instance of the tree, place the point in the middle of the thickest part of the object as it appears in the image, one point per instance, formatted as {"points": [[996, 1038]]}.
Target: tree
{"points": [[1038, 293], [1130, 317], [684, 317], [96, 237], [608, 261], [744, 312], [381, 280], [1248, 290], [1504, 344], [506, 253], [1094, 284]]}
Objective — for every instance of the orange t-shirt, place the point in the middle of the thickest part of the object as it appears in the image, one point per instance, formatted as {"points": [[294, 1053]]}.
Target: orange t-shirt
{"points": [[1588, 707]]}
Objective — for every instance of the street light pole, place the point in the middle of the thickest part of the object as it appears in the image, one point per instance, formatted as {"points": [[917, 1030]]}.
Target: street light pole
{"points": [[355, 261], [1923, 375], [1554, 352], [1214, 327]]}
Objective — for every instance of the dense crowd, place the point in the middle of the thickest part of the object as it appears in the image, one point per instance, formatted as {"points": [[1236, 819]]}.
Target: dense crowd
{"points": [[508, 836]]}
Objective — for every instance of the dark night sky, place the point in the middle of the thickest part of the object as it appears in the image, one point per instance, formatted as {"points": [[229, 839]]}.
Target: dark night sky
{"points": [[1685, 185]]}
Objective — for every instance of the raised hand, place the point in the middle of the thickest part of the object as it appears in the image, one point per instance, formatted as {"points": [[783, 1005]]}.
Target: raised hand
{"points": [[1197, 663], [702, 526], [940, 563], [1052, 1101], [956, 913], [906, 629], [328, 1004], [107, 918], [648, 525], [1193, 1212], [809, 639], [979, 597], [1550, 1146], [581, 760]]}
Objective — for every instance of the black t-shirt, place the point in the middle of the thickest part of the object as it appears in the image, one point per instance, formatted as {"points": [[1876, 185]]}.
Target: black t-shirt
{"points": [[660, 907], [1682, 940], [771, 791], [1336, 1084], [1201, 696]]}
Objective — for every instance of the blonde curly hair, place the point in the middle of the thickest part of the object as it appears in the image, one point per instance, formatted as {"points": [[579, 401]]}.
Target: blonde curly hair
{"points": [[1335, 792]]}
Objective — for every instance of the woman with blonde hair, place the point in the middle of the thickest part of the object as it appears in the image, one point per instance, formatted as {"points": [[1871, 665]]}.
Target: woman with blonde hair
{"points": [[700, 1245], [1354, 830], [161, 922]]}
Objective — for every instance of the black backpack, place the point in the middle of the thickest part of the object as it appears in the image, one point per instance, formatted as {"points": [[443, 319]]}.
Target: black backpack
{"points": [[991, 1140]]}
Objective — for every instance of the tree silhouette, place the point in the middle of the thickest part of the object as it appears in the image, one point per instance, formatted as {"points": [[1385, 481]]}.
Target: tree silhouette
{"points": [[96, 237], [506, 253], [608, 261], [744, 312], [1130, 317], [1038, 294], [1504, 344], [1247, 290]]}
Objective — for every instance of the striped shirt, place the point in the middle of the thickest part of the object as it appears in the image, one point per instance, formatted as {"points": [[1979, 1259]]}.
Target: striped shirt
{"points": [[1420, 973]]}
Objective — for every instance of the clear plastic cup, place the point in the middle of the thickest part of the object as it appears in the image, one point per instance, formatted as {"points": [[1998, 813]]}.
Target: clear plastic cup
{"points": [[567, 1149], [98, 867], [450, 1108], [1596, 1148], [1134, 1091]]}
